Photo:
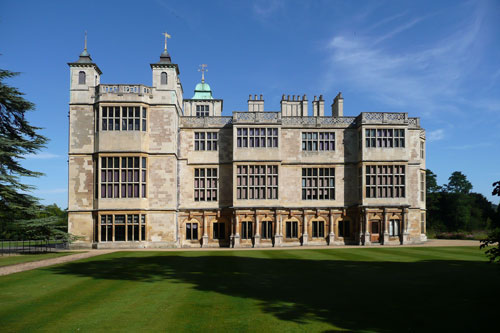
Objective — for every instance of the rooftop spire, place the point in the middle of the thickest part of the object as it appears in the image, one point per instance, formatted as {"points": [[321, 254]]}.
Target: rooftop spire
{"points": [[85, 56], [85, 45], [166, 36], [203, 69]]}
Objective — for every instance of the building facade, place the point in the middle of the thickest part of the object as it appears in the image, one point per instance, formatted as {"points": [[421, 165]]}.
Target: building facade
{"points": [[150, 168]]}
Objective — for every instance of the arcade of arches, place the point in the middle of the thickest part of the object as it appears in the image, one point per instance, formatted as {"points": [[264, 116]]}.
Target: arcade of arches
{"points": [[292, 227]]}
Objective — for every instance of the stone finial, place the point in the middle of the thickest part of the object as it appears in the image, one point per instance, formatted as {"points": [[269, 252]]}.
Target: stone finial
{"points": [[320, 97], [250, 97], [261, 98], [283, 97], [304, 98]]}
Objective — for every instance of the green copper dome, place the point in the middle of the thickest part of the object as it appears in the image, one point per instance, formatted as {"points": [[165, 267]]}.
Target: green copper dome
{"points": [[202, 91]]}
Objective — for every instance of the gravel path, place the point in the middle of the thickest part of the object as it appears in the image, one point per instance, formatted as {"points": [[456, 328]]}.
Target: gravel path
{"points": [[6, 270]]}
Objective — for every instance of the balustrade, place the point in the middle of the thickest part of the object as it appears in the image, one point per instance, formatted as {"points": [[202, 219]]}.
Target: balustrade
{"points": [[124, 89]]}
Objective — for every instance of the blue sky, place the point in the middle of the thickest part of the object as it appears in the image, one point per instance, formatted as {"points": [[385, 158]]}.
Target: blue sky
{"points": [[438, 60]]}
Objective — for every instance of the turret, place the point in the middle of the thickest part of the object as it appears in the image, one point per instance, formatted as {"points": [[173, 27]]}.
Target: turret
{"points": [[85, 76], [202, 104], [166, 80]]}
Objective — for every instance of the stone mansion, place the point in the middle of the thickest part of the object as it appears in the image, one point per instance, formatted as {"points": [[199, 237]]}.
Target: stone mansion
{"points": [[150, 168]]}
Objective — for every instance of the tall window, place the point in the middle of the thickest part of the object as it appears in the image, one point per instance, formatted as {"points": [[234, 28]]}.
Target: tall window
{"points": [[205, 184], [164, 78], [202, 110], [130, 227], [422, 186], [124, 118], [219, 230], [257, 182], [192, 231], [123, 177], [205, 141], [318, 229], [384, 138], [385, 181], [318, 141], [318, 183], [344, 228], [81, 77], [256, 137], [267, 229], [246, 230], [394, 227], [292, 228], [422, 151]]}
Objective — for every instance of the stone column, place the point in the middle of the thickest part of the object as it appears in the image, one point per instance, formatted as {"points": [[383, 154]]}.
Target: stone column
{"points": [[99, 219], [231, 237], [277, 229], [204, 242], [331, 235], [236, 232], [257, 233], [404, 222], [305, 236], [360, 226], [386, 227], [367, 229]]}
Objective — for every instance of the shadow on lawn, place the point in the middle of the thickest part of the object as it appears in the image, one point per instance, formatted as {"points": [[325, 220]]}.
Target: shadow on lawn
{"points": [[437, 295]]}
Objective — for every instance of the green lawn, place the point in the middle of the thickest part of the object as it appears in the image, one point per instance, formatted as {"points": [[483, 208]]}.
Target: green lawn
{"points": [[7, 259], [373, 289]]}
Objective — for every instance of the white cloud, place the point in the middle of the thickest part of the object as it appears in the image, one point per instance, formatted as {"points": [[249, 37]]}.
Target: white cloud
{"points": [[398, 30], [43, 156], [428, 77], [471, 146], [435, 135], [266, 8]]}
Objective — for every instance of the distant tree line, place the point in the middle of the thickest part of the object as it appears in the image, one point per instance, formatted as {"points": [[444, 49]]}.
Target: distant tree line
{"points": [[21, 214], [453, 207]]}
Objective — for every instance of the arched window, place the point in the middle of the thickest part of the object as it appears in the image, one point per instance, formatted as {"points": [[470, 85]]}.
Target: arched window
{"points": [[292, 228], [192, 230], [318, 228], [163, 78], [81, 77], [394, 227], [266, 229], [246, 229], [219, 229], [344, 228]]}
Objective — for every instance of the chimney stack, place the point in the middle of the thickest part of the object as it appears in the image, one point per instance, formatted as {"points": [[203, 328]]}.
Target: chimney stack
{"points": [[295, 106], [338, 106], [318, 107], [255, 104]]}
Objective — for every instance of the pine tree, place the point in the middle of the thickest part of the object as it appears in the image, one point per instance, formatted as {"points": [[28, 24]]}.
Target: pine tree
{"points": [[17, 139]]}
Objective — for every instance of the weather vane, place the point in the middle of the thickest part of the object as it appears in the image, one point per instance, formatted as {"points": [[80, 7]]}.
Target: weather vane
{"points": [[203, 69], [166, 36]]}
